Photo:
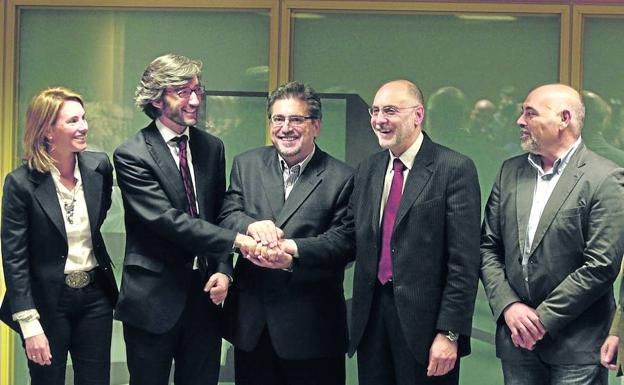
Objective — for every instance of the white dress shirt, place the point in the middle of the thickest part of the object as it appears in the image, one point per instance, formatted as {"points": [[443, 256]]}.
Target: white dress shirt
{"points": [[407, 158], [168, 134], [546, 182]]}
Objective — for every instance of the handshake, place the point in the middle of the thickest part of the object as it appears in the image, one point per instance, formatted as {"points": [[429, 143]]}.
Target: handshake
{"points": [[265, 246]]}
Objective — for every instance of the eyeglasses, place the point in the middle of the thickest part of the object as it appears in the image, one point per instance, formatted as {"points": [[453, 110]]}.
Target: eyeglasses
{"points": [[295, 120], [388, 110], [186, 92]]}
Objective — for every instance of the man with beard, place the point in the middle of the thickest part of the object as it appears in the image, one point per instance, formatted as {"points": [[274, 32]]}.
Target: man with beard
{"points": [[177, 266], [551, 246], [287, 307], [416, 208]]}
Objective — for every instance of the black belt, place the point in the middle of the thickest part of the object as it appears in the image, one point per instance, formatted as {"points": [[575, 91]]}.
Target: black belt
{"points": [[80, 279]]}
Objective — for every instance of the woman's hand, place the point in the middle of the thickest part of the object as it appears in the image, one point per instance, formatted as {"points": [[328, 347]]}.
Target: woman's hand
{"points": [[38, 349]]}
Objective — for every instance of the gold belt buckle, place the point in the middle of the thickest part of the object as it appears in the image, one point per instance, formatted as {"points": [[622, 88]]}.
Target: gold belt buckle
{"points": [[77, 279]]}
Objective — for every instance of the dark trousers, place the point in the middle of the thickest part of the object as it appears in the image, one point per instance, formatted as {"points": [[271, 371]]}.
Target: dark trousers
{"points": [[194, 343], [262, 366], [533, 371], [383, 355], [82, 325]]}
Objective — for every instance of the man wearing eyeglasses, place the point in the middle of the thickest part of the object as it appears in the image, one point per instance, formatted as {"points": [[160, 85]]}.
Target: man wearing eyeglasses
{"points": [[416, 207], [287, 307], [177, 264]]}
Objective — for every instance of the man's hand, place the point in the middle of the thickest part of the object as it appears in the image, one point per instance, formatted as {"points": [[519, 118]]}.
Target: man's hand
{"points": [[442, 356], [217, 286], [38, 349], [245, 244], [526, 327], [608, 352], [272, 259], [265, 233]]}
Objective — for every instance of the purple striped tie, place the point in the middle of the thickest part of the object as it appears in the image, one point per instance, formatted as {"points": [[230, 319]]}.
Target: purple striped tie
{"points": [[185, 172], [384, 274]]}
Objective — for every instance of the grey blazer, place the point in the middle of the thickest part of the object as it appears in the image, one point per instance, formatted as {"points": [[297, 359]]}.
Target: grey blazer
{"points": [[574, 259], [304, 310]]}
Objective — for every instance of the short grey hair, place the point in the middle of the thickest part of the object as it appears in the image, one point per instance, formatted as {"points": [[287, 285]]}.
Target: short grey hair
{"points": [[165, 71]]}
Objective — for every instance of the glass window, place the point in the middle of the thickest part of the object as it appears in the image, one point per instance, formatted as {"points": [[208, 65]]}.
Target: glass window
{"points": [[603, 66]]}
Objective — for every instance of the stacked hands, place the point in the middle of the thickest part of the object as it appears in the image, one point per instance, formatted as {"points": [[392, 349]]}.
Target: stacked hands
{"points": [[265, 246], [525, 325]]}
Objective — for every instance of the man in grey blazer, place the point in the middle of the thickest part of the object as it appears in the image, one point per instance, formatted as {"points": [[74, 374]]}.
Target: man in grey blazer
{"points": [[551, 246], [416, 207], [286, 305]]}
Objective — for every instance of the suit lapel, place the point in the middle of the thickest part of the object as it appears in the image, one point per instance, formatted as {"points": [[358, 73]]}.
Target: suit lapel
{"points": [[306, 183], [199, 150], [92, 186], [273, 183], [45, 194], [569, 178], [376, 185], [525, 182], [417, 178], [161, 154]]}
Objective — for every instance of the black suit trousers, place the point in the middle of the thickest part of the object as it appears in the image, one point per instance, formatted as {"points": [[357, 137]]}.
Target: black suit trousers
{"points": [[262, 366], [194, 343], [82, 325], [383, 354]]}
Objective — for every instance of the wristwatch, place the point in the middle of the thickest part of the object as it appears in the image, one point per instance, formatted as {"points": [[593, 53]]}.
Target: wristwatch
{"points": [[451, 336]]}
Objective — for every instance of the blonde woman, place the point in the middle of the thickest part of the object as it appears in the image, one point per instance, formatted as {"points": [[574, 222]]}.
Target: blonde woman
{"points": [[60, 286]]}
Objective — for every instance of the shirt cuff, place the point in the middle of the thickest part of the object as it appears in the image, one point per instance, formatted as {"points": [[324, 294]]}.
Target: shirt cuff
{"points": [[26, 315], [30, 328]]}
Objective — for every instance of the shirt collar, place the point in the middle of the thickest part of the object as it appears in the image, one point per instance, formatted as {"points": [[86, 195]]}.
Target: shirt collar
{"points": [[167, 133], [56, 174], [536, 161], [283, 165], [407, 157]]}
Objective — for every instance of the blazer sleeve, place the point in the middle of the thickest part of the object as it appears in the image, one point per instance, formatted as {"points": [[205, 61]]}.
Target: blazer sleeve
{"points": [[463, 210], [233, 214], [15, 254], [604, 246], [333, 248], [148, 202], [497, 288]]}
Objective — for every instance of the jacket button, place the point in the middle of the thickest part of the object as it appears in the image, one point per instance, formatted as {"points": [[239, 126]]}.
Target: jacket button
{"points": [[62, 256]]}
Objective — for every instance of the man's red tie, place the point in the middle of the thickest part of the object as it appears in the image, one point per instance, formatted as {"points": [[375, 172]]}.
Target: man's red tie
{"points": [[384, 273]]}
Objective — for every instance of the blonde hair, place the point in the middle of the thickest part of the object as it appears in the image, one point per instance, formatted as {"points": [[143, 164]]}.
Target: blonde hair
{"points": [[42, 114]]}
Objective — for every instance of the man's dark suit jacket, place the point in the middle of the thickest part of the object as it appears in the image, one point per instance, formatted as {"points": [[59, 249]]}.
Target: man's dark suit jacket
{"points": [[304, 310], [34, 241], [435, 246], [574, 258], [161, 238]]}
